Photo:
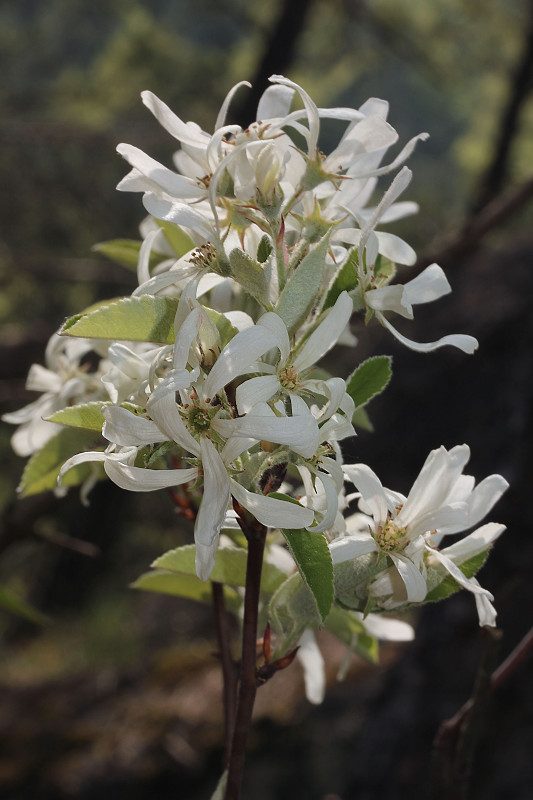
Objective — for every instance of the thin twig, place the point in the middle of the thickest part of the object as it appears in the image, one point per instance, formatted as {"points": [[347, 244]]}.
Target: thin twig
{"points": [[229, 668], [256, 536], [452, 766]]}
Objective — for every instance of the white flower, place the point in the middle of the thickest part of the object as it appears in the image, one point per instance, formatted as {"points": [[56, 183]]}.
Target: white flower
{"points": [[408, 531], [63, 381]]}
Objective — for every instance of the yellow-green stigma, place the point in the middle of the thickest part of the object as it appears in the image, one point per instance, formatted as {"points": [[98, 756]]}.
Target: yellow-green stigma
{"points": [[389, 536]]}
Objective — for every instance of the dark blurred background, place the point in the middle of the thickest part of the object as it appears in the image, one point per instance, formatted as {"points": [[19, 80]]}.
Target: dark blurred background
{"points": [[119, 695]]}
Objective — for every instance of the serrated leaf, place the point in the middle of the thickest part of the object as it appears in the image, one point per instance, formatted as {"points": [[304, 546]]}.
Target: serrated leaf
{"points": [[249, 274], [181, 585], [86, 415], [303, 287], [313, 559], [346, 279], [230, 567], [449, 586], [135, 319], [126, 252], [41, 471], [369, 379], [180, 241], [9, 601]]}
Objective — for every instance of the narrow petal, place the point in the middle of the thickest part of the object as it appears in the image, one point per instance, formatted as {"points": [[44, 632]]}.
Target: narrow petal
{"points": [[475, 543], [124, 428], [237, 356], [414, 581], [484, 497], [215, 501], [275, 325], [372, 492], [256, 390], [351, 547], [457, 575], [270, 511], [326, 334], [170, 182], [185, 132], [300, 433], [312, 662], [221, 118], [138, 479], [468, 344], [386, 629]]}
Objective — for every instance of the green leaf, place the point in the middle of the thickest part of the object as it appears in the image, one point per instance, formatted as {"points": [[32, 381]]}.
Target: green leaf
{"points": [[311, 553], [449, 586], [181, 585], [230, 567], [369, 379], [136, 319], [346, 280], [351, 631], [303, 287], [126, 252], [250, 275], [40, 474], [86, 415], [180, 241], [9, 601], [361, 420]]}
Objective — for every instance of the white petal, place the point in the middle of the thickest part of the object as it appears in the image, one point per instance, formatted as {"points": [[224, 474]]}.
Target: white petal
{"points": [[395, 249], [434, 482], [475, 543], [138, 479], [256, 390], [124, 428], [386, 629], [430, 285], [275, 102], [350, 547], [275, 325], [270, 511], [170, 182], [312, 662], [326, 334], [484, 496], [185, 132], [215, 501], [457, 575], [237, 356], [414, 581], [468, 344], [221, 118], [399, 184], [372, 492]]}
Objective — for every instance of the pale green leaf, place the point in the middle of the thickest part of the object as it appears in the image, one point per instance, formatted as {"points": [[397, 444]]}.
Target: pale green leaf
{"points": [[136, 319], [351, 631], [250, 275], [42, 469], [9, 601], [302, 289], [182, 585], [126, 252], [360, 419], [313, 559], [86, 415], [369, 379], [230, 566]]}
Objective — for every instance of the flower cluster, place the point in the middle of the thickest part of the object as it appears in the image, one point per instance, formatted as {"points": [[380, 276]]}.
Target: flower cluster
{"points": [[257, 250]]}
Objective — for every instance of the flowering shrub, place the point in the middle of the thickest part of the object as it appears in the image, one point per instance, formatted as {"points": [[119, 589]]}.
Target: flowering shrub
{"points": [[257, 251]]}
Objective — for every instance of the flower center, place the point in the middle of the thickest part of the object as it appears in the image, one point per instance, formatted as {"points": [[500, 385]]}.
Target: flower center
{"points": [[288, 377], [389, 536], [199, 420]]}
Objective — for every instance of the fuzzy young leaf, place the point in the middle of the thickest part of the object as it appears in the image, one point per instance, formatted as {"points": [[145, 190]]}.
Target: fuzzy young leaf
{"points": [[86, 415], [230, 567], [346, 280], [41, 471], [303, 287], [311, 553], [135, 319], [369, 379], [250, 275], [264, 249]]}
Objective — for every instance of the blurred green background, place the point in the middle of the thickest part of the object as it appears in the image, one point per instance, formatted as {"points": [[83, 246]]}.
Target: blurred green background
{"points": [[72, 74]]}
